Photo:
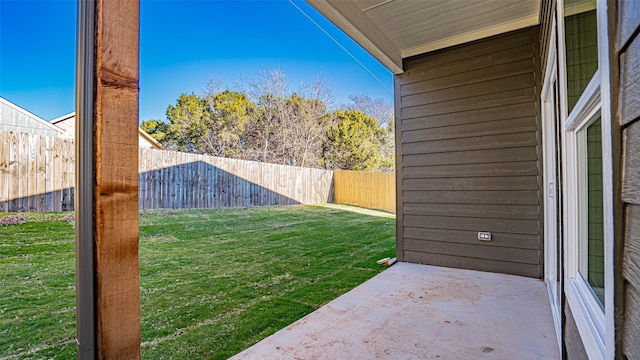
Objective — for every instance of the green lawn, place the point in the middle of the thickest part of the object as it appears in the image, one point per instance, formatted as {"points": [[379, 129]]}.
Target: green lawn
{"points": [[213, 282]]}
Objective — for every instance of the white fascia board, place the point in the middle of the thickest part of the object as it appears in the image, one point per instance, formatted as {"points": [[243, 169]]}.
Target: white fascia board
{"points": [[63, 117], [472, 36], [149, 138], [346, 16]]}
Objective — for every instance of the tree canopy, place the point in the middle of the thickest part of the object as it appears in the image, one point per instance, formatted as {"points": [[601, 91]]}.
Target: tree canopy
{"points": [[355, 142], [266, 123]]}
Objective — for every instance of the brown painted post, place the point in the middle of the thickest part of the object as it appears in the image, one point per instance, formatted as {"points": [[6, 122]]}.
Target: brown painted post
{"points": [[107, 179]]}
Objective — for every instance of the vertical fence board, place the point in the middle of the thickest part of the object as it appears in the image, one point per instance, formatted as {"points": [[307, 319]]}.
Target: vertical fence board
{"points": [[171, 190], [72, 172], [200, 195], [178, 176], [183, 179], [195, 179], [192, 191], [23, 171], [38, 173], [156, 178], [188, 181], [164, 181], [48, 171], [64, 174], [4, 171], [142, 173], [220, 183], [187, 193], [142, 178], [14, 175], [68, 178], [148, 180], [208, 191], [41, 174], [56, 173], [31, 142]]}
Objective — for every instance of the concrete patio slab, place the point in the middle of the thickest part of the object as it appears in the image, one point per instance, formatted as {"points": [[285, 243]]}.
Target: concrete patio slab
{"points": [[414, 311]]}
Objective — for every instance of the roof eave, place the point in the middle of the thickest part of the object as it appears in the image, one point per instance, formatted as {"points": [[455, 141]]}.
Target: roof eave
{"points": [[349, 19], [150, 139]]}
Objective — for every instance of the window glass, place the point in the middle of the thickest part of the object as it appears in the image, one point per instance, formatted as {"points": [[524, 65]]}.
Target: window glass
{"points": [[592, 239], [581, 43]]}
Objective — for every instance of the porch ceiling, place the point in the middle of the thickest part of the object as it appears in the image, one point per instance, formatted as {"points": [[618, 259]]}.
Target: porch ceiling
{"points": [[395, 29]]}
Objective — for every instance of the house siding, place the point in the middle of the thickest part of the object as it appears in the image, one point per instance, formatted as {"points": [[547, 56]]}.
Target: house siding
{"points": [[469, 156], [629, 110], [19, 121]]}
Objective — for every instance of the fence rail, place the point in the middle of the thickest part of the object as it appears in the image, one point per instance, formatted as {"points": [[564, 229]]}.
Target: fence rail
{"points": [[37, 173]]}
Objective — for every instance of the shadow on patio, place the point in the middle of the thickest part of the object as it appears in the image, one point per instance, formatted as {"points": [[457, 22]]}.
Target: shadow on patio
{"points": [[424, 312]]}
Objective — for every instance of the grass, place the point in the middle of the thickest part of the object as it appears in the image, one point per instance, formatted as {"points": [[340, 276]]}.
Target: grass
{"points": [[213, 282]]}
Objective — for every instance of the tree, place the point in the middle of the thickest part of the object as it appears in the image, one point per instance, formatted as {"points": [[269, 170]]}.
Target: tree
{"points": [[211, 125], [232, 111], [354, 142], [289, 128], [189, 122], [379, 109], [261, 137], [382, 111], [267, 123], [311, 120], [159, 130], [304, 131]]}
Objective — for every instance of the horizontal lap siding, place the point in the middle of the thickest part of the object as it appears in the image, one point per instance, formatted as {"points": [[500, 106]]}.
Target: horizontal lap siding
{"points": [[469, 141], [629, 102]]}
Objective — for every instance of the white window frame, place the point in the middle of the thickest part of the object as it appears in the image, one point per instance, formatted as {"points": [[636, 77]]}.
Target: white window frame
{"points": [[596, 327], [551, 79]]}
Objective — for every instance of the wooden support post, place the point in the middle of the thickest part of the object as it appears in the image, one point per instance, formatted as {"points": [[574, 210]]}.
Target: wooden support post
{"points": [[107, 180]]}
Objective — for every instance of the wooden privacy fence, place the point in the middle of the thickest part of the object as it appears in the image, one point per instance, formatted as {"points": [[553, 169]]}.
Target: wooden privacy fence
{"points": [[37, 173], [366, 189], [170, 179]]}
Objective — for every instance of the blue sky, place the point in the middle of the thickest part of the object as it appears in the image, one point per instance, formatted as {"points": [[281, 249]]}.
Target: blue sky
{"points": [[183, 44]]}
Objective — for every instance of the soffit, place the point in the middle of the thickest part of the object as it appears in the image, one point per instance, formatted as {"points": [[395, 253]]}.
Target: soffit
{"points": [[395, 29]]}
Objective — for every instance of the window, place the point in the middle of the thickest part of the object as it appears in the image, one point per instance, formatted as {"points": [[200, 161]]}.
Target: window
{"points": [[581, 41], [591, 236], [587, 170]]}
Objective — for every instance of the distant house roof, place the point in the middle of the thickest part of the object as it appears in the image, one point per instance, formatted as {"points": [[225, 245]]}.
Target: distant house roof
{"points": [[62, 118], [14, 118], [149, 138], [67, 124]]}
